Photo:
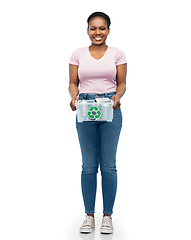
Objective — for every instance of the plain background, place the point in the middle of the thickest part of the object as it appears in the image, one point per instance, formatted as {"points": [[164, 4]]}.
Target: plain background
{"points": [[40, 159]]}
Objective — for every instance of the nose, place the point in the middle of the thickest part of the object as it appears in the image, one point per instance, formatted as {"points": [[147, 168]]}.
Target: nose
{"points": [[97, 31]]}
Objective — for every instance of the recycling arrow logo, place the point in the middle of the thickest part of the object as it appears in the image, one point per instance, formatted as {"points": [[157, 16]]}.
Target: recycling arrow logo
{"points": [[94, 113]]}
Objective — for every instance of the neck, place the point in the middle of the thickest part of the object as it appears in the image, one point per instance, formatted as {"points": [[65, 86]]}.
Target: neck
{"points": [[102, 47]]}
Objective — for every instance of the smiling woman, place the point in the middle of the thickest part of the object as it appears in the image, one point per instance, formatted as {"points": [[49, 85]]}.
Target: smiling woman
{"points": [[98, 71], [98, 30]]}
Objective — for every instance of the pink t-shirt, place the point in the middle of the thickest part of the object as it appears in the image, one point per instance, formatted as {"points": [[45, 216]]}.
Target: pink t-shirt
{"points": [[97, 76]]}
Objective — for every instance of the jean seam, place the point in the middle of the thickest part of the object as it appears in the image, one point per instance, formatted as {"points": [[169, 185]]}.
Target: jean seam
{"points": [[89, 212], [107, 213]]}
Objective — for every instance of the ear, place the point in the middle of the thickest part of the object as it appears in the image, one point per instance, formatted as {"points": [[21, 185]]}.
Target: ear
{"points": [[88, 31], [108, 31]]}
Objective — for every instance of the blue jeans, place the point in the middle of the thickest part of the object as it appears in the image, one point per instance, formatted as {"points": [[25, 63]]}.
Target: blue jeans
{"points": [[98, 142]]}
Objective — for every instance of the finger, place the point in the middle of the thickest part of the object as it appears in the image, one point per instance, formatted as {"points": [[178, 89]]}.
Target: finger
{"points": [[115, 103], [112, 98], [72, 105], [115, 106], [75, 99]]}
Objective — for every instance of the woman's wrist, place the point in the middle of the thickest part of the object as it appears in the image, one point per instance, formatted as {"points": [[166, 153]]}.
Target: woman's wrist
{"points": [[74, 96], [118, 95], [120, 91]]}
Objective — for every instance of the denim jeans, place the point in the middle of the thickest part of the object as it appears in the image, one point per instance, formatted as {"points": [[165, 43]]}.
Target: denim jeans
{"points": [[98, 141]]}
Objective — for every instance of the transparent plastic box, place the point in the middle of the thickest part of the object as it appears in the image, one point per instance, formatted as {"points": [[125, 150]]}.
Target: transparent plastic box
{"points": [[100, 109]]}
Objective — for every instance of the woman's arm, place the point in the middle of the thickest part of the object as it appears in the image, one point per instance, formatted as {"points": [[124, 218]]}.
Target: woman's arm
{"points": [[73, 85], [121, 85]]}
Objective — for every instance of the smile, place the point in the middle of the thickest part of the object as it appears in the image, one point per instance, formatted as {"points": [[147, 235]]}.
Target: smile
{"points": [[98, 38]]}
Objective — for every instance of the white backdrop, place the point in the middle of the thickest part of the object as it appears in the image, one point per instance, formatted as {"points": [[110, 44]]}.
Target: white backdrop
{"points": [[40, 160]]}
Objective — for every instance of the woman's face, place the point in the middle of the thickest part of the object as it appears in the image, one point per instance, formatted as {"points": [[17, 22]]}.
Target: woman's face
{"points": [[98, 30]]}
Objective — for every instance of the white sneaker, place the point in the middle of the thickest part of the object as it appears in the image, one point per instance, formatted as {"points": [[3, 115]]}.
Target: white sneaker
{"points": [[106, 226], [88, 225]]}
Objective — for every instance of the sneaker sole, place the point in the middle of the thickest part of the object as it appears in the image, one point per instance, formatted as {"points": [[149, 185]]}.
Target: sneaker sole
{"points": [[105, 230], [86, 230]]}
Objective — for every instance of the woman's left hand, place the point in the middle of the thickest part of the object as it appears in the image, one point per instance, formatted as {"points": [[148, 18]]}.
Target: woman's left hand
{"points": [[117, 102]]}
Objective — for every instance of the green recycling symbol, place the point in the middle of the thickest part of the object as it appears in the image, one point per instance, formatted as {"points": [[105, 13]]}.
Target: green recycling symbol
{"points": [[94, 113]]}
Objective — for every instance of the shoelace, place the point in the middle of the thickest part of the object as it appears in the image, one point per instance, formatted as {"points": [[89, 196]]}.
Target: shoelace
{"points": [[106, 222], [87, 221]]}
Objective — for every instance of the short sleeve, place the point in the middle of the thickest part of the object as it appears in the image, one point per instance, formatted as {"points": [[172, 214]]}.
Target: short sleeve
{"points": [[120, 58], [74, 59]]}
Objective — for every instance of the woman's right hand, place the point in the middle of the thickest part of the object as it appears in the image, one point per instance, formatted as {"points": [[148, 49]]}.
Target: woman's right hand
{"points": [[72, 103]]}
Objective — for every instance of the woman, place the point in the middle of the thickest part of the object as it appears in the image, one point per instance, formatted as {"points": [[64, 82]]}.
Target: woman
{"points": [[98, 71]]}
